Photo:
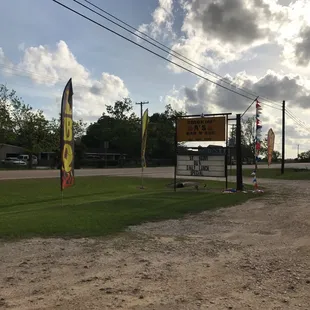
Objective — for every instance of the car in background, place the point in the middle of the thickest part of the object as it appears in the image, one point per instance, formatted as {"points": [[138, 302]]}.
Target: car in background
{"points": [[25, 158], [13, 161]]}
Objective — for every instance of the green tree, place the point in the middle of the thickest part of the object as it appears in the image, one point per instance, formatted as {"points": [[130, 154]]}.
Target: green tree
{"points": [[249, 125], [7, 98], [31, 128], [121, 110], [161, 135], [120, 127], [247, 137], [79, 129], [304, 156], [276, 155], [264, 152]]}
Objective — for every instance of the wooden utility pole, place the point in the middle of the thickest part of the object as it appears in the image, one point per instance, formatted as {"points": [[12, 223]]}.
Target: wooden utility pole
{"points": [[283, 137], [298, 151], [141, 112]]}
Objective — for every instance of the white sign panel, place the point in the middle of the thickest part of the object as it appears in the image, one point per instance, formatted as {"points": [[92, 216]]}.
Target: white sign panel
{"points": [[200, 165]]}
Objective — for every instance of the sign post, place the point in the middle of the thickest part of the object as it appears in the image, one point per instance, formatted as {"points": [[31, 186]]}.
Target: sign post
{"points": [[201, 162]]}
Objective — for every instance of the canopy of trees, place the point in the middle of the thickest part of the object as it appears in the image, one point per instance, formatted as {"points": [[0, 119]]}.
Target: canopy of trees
{"points": [[23, 126], [304, 156], [122, 129]]}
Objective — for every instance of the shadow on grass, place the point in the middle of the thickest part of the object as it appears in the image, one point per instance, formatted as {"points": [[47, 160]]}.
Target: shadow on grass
{"points": [[65, 198], [109, 216]]}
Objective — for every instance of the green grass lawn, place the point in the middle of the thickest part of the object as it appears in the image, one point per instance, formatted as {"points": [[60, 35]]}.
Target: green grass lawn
{"points": [[98, 206], [272, 173]]}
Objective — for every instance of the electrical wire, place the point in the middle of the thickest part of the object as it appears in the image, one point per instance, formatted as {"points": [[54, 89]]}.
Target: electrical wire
{"points": [[248, 108], [165, 49], [48, 79], [300, 123], [52, 81], [296, 120], [149, 50], [271, 106]]}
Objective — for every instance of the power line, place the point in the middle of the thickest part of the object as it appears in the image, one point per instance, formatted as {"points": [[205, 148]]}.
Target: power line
{"points": [[270, 106], [48, 78], [54, 80], [147, 49], [265, 104], [166, 48], [300, 123], [248, 108], [44, 78]]}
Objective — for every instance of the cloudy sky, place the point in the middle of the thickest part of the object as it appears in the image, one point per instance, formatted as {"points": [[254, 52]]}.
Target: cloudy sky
{"points": [[262, 46]]}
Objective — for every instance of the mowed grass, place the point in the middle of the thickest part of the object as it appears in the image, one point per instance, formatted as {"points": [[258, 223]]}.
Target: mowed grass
{"points": [[98, 206], [272, 173]]}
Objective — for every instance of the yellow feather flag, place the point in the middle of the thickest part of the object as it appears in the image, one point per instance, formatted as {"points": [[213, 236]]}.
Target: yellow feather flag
{"points": [[145, 122]]}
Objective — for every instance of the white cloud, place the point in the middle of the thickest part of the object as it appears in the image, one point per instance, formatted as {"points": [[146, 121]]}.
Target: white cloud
{"points": [[53, 67], [162, 21], [291, 35], [218, 32], [21, 46], [2, 57], [5, 64], [294, 89], [205, 97], [223, 31]]}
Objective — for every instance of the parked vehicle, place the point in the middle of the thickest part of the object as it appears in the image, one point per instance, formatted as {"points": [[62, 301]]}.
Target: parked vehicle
{"points": [[13, 161], [25, 158]]}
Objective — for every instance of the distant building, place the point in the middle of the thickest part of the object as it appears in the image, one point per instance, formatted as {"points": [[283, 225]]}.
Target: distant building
{"points": [[8, 150]]}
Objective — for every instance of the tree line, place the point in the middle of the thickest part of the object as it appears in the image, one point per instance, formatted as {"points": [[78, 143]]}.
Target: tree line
{"points": [[23, 126]]}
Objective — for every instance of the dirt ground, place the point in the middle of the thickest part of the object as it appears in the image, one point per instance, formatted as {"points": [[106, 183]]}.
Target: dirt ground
{"points": [[253, 256]]}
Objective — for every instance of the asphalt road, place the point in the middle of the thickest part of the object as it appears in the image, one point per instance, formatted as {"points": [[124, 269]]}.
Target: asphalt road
{"points": [[161, 172], [278, 166]]}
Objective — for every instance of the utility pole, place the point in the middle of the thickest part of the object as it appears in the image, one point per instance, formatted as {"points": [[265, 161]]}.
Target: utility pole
{"points": [[283, 137], [297, 150], [141, 111]]}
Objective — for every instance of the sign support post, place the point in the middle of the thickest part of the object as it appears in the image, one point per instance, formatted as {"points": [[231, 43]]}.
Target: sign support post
{"points": [[226, 153], [239, 179], [176, 153]]}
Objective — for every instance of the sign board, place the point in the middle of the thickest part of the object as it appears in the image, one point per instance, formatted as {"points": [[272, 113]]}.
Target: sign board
{"points": [[205, 163], [201, 129]]}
